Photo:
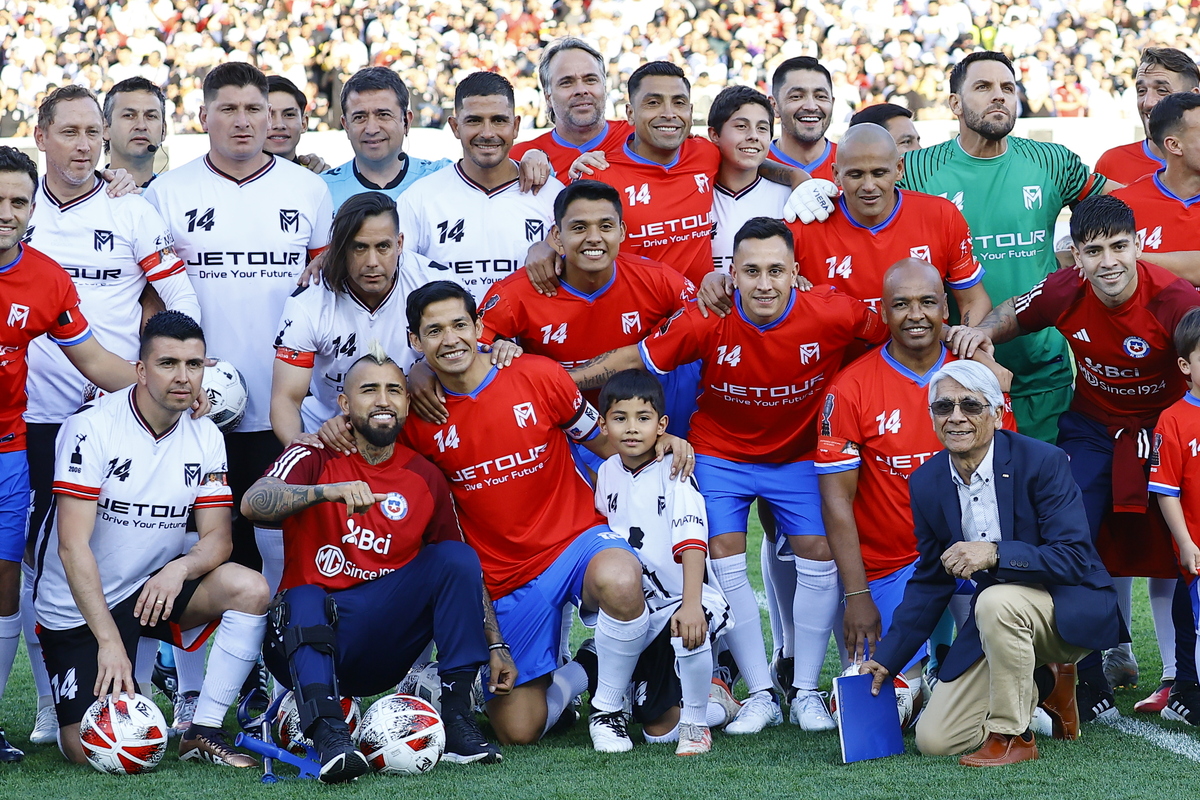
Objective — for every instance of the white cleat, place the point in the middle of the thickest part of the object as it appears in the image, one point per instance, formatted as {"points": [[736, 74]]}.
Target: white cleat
{"points": [[610, 732], [721, 695], [45, 728], [809, 712], [694, 740], [759, 711]]}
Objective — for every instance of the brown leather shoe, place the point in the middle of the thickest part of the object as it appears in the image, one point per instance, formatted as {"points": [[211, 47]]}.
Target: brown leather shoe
{"points": [[1000, 749], [1060, 704]]}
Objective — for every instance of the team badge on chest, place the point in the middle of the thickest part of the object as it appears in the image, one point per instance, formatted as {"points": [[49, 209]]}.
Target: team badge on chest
{"points": [[394, 506]]}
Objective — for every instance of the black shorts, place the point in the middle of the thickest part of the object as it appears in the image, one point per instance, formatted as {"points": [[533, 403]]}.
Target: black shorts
{"points": [[656, 686], [250, 455], [71, 654]]}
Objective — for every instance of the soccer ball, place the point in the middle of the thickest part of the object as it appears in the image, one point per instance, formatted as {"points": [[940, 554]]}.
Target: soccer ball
{"points": [[423, 681], [226, 389], [287, 724], [123, 735], [402, 735]]}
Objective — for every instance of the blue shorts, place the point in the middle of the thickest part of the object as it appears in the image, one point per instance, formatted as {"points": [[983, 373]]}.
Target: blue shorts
{"points": [[531, 616], [586, 460], [887, 592], [14, 505], [789, 489], [681, 386]]}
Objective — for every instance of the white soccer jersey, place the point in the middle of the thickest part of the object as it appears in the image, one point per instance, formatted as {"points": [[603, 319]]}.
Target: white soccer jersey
{"points": [[733, 210], [144, 486], [328, 332], [244, 242], [481, 236], [661, 518], [110, 247]]}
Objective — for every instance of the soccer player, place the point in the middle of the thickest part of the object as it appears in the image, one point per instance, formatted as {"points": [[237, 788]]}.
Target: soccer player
{"points": [[897, 119], [473, 216], [802, 95], [41, 299], [1119, 317], [289, 120], [134, 127], [245, 223], [1010, 190], [1173, 477], [872, 436], [764, 370], [130, 469], [664, 522], [365, 532], [1162, 71]]}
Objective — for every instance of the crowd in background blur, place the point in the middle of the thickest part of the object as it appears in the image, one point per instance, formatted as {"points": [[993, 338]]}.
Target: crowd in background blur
{"points": [[1074, 57]]}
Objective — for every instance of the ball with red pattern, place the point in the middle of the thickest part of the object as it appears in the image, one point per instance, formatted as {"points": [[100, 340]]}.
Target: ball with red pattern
{"points": [[123, 735], [402, 735]]}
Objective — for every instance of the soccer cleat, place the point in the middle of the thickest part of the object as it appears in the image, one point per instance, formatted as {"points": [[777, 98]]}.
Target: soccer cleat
{"points": [[721, 695], [466, 744], [782, 672], [1157, 700], [726, 668], [45, 727], [693, 740], [1183, 705], [8, 753], [1093, 704], [164, 678], [340, 760], [201, 743], [809, 712], [759, 711], [1121, 667], [185, 709], [1041, 724], [610, 732]]}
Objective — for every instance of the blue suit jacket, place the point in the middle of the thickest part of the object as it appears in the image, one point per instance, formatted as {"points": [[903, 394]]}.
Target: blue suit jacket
{"points": [[1044, 540]]}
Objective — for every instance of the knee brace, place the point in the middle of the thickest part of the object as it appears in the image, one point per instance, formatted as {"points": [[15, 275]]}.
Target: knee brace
{"points": [[313, 700]]}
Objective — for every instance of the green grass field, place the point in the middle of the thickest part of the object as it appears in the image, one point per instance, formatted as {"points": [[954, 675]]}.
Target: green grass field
{"points": [[781, 762]]}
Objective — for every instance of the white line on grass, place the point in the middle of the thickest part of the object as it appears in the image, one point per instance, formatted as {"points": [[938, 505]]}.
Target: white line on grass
{"points": [[1178, 743]]}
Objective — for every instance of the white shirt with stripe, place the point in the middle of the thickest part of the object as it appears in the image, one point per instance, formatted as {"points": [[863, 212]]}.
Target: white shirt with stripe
{"points": [[732, 210]]}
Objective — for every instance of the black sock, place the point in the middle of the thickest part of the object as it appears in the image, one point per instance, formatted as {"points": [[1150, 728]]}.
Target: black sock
{"points": [[1044, 679], [457, 693], [1027, 736], [1094, 677]]}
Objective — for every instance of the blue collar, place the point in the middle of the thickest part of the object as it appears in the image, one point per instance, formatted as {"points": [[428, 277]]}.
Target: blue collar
{"points": [[1187, 203], [809, 167], [634, 156], [15, 261], [737, 303], [569, 289], [1193, 400], [491, 376], [586, 146], [1150, 154], [919, 380], [880, 226]]}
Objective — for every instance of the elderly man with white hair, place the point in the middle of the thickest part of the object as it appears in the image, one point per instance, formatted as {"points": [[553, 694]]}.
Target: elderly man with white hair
{"points": [[1001, 509]]}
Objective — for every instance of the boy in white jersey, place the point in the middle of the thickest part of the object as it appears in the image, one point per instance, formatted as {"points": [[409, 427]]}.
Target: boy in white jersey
{"points": [[130, 469], [472, 216], [665, 523]]}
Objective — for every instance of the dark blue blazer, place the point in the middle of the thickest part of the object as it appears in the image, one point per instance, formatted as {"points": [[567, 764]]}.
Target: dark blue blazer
{"points": [[1044, 540]]}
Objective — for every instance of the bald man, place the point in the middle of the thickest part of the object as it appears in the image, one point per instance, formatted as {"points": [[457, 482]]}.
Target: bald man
{"points": [[874, 432]]}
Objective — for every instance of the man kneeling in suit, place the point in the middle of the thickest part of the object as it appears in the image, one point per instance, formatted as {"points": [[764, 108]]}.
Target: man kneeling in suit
{"points": [[1001, 509]]}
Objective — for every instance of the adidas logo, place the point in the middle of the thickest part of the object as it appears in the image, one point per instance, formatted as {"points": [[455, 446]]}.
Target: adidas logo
{"points": [[1081, 335]]}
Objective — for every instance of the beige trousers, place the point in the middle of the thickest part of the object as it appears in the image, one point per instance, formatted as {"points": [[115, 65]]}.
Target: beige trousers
{"points": [[997, 693]]}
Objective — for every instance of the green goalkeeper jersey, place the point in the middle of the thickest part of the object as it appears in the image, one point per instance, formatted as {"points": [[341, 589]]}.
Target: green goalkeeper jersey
{"points": [[1011, 203]]}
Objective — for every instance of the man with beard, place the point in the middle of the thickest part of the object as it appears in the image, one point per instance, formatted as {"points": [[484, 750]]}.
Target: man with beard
{"points": [[365, 532], [802, 95]]}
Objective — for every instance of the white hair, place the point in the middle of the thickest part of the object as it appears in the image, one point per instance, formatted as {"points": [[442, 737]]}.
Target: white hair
{"points": [[972, 376]]}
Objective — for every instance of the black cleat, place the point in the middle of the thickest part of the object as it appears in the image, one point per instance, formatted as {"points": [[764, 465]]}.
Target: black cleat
{"points": [[8, 753], [1183, 703], [466, 744], [1094, 704], [165, 678], [340, 759]]}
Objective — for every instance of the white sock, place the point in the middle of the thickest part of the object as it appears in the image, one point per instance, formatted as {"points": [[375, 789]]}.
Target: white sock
{"points": [[1125, 604], [33, 646], [695, 677], [234, 654], [714, 714], [564, 638], [270, 547], [817, 599], [1162, 591], [668, 737], [10, 637], [566, 683], [618, 645], [781, 592], [764, 562], [143, 667], [745, 641], [189, 669]]}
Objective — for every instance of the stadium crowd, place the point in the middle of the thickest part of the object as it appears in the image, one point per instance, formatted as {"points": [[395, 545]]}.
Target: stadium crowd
{"points": [[1075, 57]]}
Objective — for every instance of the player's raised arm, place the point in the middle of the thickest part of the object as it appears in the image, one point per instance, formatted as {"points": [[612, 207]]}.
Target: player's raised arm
{"points": [[973, 302], [595, 373], [100, 366], [998, 327], [273, 500], [289, 386]]}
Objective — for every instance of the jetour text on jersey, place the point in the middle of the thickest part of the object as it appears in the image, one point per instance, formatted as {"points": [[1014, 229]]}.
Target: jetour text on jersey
{"points": [[121, 513], [495, 466]]}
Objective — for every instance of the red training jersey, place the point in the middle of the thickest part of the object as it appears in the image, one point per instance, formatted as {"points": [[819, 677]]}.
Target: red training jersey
{"points": [[1174, 467], [762, 385], [1126, 355], [322, 546], [853, 257], [504, 450], [1165, 223], [822, 167], [562, 154], [668, 208], [36, 297], [1129, 162]]}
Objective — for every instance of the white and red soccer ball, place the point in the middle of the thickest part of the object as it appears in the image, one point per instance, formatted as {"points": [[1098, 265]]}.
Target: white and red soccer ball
{"points": [[290, 736], [402, 735], [123, 735]]}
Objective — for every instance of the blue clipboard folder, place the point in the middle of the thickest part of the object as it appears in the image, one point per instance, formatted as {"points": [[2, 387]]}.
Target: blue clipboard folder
{"points": [[870, 725]]}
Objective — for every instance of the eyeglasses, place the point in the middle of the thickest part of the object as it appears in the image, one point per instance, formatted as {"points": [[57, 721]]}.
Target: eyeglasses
{"points": [[944, 408]]}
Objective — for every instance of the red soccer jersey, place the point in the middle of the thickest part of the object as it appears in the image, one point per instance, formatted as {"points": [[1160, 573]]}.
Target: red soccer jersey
{"points": [[1126, 355], [322, 547], [854, 258], [1174, 467], [1166, 223], [562, 154], [40, 298], [876, 419], [504, 449], [1127, 163], [762, 386], [668, 209], [821, 168]]}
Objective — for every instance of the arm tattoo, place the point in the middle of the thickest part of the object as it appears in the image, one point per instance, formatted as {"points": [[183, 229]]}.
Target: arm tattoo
{"points": [[1001, 323], [491, 628], [596, 380], [779, 173], [272, 500]]}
